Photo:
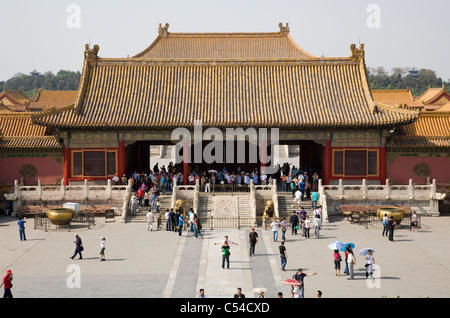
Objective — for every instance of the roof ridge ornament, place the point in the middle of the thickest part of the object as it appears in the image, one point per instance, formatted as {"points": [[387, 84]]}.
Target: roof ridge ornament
{"points": [[91, 54], [163, 30], [357, 54], [283, 29]]}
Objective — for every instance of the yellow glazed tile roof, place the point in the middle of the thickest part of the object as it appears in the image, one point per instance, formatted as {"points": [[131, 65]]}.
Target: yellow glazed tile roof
{"points": [[170, 45], [431, 129], [18, 132], [51, 98], [41, 142], [164, 93], [19, 124]]}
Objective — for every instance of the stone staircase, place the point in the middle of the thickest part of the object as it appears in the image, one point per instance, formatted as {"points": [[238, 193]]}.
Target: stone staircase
{"points": [[244, 206], [205, 203], [139, 217], [285, 207]]}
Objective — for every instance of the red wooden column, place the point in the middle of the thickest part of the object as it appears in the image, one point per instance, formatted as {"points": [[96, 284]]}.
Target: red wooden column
{"points": [[66, 166], [326, 162], [383, 165], [121, 158]]}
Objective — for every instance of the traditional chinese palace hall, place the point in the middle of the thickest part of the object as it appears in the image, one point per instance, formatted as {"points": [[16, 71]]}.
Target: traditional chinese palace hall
{"points": [[225, 80]]}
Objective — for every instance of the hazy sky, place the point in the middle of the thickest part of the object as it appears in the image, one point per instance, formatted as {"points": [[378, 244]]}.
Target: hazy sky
{"points": [[50, 35]]}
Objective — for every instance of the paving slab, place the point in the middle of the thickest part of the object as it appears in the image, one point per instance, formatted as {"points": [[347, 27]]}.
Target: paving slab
{"points": [[161, 264]]}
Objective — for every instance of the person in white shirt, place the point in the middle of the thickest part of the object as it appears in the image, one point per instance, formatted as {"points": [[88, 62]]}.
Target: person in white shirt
{"points": [[351, 260], [274, 226], [134, 203], [264, 179], [149, 218], [167, 220], [307, 225], [317, 222], [370, 261], [298, 196]]}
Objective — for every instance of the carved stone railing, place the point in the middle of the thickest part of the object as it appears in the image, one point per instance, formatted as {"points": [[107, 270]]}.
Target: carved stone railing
{"points": [[70, 193], [385, 194]]}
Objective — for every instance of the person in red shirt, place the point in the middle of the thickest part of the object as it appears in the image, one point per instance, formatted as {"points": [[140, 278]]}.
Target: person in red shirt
{"points": [[140, 196], [7, 283]]}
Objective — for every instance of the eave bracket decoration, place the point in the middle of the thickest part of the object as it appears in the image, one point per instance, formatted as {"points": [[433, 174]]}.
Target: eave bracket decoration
{"points": [[357, 54]]}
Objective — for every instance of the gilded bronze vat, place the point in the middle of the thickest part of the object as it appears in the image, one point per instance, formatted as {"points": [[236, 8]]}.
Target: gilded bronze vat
{"points": [[396, 212], [60, 216]]}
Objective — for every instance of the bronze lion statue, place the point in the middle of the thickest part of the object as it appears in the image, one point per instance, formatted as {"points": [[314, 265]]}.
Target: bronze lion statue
{"points": [[269, 210]]}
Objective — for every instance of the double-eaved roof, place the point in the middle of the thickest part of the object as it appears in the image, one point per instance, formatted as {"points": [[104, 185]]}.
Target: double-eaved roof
{"points": [[224, 80]]}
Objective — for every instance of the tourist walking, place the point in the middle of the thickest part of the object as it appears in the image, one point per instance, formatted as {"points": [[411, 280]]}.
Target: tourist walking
{"points": [[252, 239], [274, 225], [102, 248], [225, 255], [197, 227], [337, 262], [370, 261], [166, 215], [315, 198], [391, 227], [7, 284], [300, 276], [21, 224], [298, 197], [348, 250], [78, 247], [149, 219], [172, 226], [306, 225], [317, 222], [283, 255], [294, 222], [239, 293], [180, 224], [414, 222], [283, 226], [201, 293], [351, 261], [384, 222]]}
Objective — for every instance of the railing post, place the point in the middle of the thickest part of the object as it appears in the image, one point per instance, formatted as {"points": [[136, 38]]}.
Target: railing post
{"points": [[174, 193], [388, 189], [341, 189], [275, 197], [411, 189], [126, 199], [39, 190], [109, 189], [86, 189], [63, 189], [364, 189], [196, 193]]}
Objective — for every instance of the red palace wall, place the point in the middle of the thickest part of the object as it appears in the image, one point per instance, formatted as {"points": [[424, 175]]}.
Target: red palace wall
{"points": [[47, 169], [401, 169]]}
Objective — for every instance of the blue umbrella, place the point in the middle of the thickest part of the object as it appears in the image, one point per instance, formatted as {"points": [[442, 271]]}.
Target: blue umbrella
{"points": [[336, 245], [352, 246]]}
